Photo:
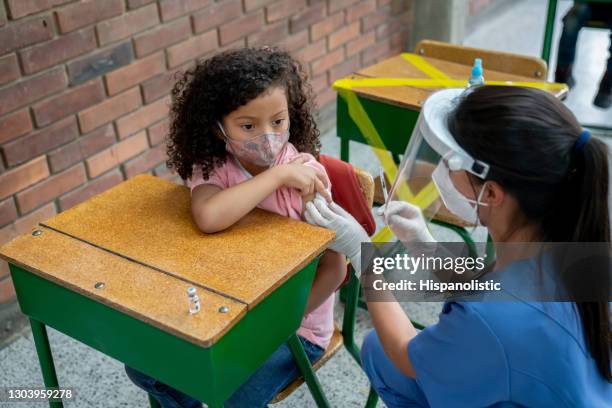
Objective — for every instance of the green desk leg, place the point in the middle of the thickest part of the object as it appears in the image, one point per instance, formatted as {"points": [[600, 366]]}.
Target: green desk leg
{"points": [[153, 402], [548, 31], [305, 368], [348, 320], [43, 349], [372, 399]]}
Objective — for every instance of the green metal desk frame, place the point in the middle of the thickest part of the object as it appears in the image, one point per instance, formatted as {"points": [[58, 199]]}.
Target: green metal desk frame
{"points": [[208, 374]]}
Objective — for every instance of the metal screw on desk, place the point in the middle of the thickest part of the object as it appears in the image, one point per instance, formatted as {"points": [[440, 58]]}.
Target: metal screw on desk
{"points": [[99, 285], [36, 233], [194, 301], [223, 309]]}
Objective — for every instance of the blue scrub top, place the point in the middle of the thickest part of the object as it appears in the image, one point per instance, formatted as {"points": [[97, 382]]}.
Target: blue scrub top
{"points": [[507, 353]]}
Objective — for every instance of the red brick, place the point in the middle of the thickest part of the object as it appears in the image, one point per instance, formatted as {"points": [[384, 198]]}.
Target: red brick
{"points": [[375, 19], [21, 8], [87, 12], [4, 268], [399, 39], [127, 24], [303, 19], [359, 10], [250, 5], [51, 188], [346, 67], [117, 154], [14, 125], [376, 52], [69, 102], [135, 73], [98, 63], [343, 35], [327, 26], [109, 110], [319, 83], [324, 63], [132, 4], [162, 37], [294, 42], [164, 172], [8, 211], [21, 177], [325, 97], [93, 188], [360, 43], [7, 291], [29, 90], [143, 117], [171, 9], [283, 9], [2, 22], [230, 32], [53, 52], [192, 48], [336, 5], [145, 161], [157, 87], [34, 144], [158, 132], [312, 51], [216, 15], [382, 3], [388, 29], [269, 34], [26, 223], [81, 148], [21, 34], [9, 70]]}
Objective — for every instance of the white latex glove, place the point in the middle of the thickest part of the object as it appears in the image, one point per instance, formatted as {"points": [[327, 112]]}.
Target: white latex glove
{"points": [[406, 221], [349, 233]]}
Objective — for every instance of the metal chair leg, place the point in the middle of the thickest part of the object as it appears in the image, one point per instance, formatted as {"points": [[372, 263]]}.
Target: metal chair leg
{"points": [[45, 358], [372, 399], [348, 319], [301, 359], [153, 402]]}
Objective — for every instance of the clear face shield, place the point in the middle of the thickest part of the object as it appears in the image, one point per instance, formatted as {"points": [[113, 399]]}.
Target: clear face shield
{"points": [[432, 151]]}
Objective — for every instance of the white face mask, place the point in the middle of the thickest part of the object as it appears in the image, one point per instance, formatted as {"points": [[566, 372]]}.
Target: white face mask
{"points": [[458, 204]]}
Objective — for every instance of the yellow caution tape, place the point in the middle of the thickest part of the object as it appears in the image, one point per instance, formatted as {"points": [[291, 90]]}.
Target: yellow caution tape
{"points": [[437, 79], [350, 84], [424, 66]]}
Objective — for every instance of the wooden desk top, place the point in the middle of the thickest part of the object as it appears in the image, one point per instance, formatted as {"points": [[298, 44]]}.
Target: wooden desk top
{"points": [[413, 97], [139, 239]]}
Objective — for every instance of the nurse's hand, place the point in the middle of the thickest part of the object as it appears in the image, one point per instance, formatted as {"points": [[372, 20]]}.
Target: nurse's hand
{"points": [[406, 221], [349, 233]]}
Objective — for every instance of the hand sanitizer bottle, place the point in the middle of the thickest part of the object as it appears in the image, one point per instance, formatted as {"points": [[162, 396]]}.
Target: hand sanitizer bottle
{"points": [[476, 79]]}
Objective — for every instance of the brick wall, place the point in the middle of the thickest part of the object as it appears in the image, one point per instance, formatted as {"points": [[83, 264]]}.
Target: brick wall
{"points": [[84, 84]]}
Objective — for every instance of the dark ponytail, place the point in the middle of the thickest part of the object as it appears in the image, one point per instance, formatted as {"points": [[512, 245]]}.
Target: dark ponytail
{"points": [[529, 138]]}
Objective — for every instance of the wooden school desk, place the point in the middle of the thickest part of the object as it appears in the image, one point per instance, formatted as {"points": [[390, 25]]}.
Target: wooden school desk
{"points": [[393, 111], [113, 273]]}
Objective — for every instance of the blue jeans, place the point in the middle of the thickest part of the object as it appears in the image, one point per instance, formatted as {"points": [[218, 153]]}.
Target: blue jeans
{"points": [[278, 371], [573, 22]]}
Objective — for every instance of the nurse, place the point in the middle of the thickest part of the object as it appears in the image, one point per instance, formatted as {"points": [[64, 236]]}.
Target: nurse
{"points": [[516, 161]]}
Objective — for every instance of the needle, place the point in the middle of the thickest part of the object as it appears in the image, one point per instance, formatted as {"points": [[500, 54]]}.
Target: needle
{"points": [[383, 183]]}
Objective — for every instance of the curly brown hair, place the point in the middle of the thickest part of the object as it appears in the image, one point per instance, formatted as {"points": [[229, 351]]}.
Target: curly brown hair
{"points": [[217, 86]]}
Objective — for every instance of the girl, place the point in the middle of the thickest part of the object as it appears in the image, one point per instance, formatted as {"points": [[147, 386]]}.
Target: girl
{"points": [[542, 179], [244, 136]]}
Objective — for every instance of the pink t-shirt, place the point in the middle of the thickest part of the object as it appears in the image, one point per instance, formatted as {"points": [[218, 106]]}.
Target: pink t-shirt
{"points": [[317, 326]]}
